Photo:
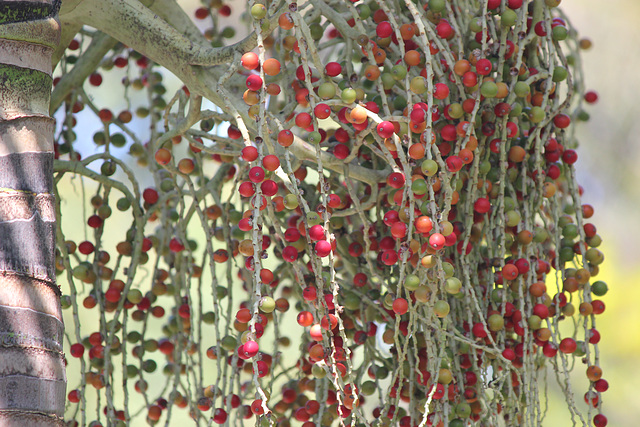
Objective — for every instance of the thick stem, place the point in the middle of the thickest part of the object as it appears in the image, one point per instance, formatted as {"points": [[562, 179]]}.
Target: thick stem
{"points": [[32, 369]]}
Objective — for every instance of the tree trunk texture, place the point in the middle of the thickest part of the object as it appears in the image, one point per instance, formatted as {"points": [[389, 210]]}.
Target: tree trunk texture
{"points": [[32, 366]]}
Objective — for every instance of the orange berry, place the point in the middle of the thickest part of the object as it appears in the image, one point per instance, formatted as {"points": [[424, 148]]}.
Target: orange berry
{"points": [[271, 67]]}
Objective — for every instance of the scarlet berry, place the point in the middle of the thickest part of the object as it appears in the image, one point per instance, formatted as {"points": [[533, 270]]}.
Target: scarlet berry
{"points": [[246, 189], [290, 254], [249, 153], [454, 163], [201, 13], [396, 180], [568, 345], [219, 416], [333, 69], [569, 157], [256, 174], [175, 245], [86, 247], [399, 230], [437, 241], [254, 82], [482, 205], [95, 79], [271, 162], [600, 420], [285, 138], [322, 111], [250, 348], [384, 29], [444, 29], [322, 248], [316, 232], [591, 97], [441, 91], [76, 350], [385, 129], [389, 257], [150, 195], [484, 67], [562, 121], [74, 396]]}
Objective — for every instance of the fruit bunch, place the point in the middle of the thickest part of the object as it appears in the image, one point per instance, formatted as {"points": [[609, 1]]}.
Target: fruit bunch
{"points": [[380, 225]]}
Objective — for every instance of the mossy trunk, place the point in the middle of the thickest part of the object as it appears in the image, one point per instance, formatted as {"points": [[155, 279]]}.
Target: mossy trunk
{"points": [[32, 367]]}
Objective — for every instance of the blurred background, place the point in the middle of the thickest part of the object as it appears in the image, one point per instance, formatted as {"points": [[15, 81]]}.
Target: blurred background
{"points": [[608, 170], [609, 155]]}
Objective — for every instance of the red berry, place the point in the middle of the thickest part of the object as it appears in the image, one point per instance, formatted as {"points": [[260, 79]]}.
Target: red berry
{"points": [[112, 295], [436, 241], [95, 79], [150, 195], [220, 416], [569, 157], [385, 129], [454, 163], [482, 205], [332, 69], [540, 29], [341, 151], [249, 153], [290, 254], [484, 67], [444, 29], [271, 162], [250, 348], [600, 421], [568, 345], [384, 30], [254, 82], [316, 232], [322, 248], [105, 115], [562, 121], [479, 330], [175, 245], [322, 111], [86, 247], [591, 97], [399, 230], [74, 396], [508, 354], [389, 257], [396, 180], [303, 120], [269, 188], [94, 221], [400, 306], [76, 350], [285, 137], [514, 4], [246, 189], [441, 91], [202, 13], [601, 385], [256, 174], [233, 132]]}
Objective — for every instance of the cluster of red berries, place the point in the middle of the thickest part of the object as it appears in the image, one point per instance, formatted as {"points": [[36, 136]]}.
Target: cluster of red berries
{"points": [[410, 206]]}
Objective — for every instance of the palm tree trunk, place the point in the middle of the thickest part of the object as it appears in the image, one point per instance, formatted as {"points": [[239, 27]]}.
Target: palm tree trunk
{"points": [[32, 367]]}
